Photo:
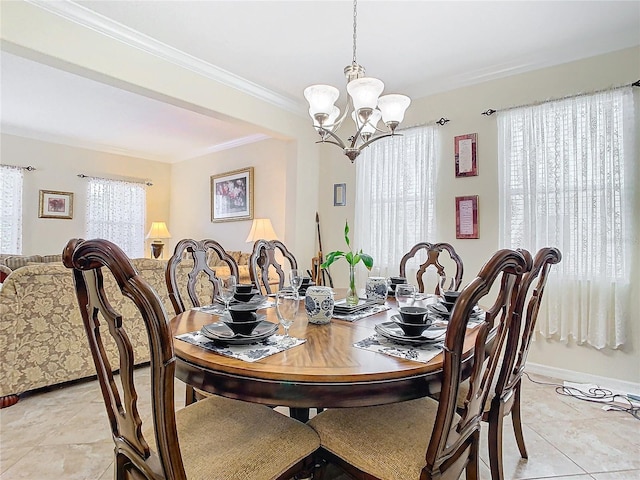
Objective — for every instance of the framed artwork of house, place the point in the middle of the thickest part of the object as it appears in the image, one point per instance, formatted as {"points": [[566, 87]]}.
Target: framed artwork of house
{"points": [[232, 196], [55, 204]]}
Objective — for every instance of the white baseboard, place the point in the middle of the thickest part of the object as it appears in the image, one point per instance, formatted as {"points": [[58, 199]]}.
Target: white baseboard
{"points": [[617, 386]]}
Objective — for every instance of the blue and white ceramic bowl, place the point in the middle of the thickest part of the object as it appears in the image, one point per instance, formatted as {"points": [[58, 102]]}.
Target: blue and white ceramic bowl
{"points": [[318, 304]]}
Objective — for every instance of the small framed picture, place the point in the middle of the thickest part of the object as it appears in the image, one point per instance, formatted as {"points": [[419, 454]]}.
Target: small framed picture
{"points": [[467, 217], [232, 196], [55, 204], [465, 151], [339, 194]]}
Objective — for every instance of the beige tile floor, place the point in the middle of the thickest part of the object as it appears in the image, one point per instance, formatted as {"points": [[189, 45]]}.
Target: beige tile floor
{"points": [[63, 434]]}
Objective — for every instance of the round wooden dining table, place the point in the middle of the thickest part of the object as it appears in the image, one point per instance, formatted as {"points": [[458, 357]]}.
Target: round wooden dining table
{"points": [[325, 371]]}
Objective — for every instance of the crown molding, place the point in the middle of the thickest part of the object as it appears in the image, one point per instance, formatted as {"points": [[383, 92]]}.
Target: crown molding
{"points": [[99, 23], [59, 139], [238, 142], [80, 143]]}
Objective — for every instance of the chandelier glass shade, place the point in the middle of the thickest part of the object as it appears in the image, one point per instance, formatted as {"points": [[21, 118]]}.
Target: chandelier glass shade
{"points": [[365, 103]]}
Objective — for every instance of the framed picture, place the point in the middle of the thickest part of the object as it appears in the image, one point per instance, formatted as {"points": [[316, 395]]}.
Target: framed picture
{"points": [[465, 150], [55, 204], [467, 217], [339, 194], [232, 196]]}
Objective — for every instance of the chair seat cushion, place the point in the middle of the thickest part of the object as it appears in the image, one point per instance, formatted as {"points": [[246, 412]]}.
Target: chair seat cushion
{"points": [[229, 439], [387, 441]]}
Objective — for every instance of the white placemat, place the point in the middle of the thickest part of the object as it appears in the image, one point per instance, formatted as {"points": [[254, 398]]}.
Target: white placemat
{"points": [[249, 353], [420, 353], [352, 317]]}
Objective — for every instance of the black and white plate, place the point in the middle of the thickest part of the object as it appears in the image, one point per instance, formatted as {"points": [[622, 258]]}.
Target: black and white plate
{"points": [[222, 333], [393, 332], [440, 309], [256, 300], [342, 308]]}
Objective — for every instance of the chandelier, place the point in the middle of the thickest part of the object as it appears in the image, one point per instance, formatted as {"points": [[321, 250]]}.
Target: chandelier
{"points": [[364, 102]]}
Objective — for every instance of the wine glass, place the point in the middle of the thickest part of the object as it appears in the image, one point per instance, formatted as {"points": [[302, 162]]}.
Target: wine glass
{"points": [[405, 295], [295, 279], [287, 304], [227, 284]]}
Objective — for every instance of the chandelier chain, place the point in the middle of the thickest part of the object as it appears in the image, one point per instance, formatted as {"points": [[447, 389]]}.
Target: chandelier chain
{"points": [[355, 15]]}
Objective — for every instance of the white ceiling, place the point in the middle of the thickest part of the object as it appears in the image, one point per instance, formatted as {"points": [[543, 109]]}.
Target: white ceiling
{"points": [[274, 49]]}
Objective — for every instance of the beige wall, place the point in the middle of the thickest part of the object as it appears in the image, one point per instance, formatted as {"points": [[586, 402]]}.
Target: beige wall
{"points": [[191, 194], [32, 32], [463, 107], [57, 168]]}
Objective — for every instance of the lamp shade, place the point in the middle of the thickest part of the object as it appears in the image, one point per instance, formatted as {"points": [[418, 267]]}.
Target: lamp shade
{"points": [[365, 92], [261, 229], [321, 99], [393, 107], [158, 230]]}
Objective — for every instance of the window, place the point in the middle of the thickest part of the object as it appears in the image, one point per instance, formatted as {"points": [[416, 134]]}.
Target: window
{"points": [[11, 179], [116, 212], [395, 196], [566, 175]]}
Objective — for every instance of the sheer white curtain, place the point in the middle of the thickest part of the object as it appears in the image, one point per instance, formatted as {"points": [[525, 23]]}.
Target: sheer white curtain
{"points": [[567, 181], [116, 212], [395, 196], [11, 180]]}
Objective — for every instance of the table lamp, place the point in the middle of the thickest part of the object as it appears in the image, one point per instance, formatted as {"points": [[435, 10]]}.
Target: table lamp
{"points": [[261, 229], [158, 231]]}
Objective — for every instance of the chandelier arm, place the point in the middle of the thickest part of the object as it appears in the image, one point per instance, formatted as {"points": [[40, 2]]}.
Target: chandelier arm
{"points": [[338, 141], [369, 142], [347, 109], [357, 135], [332, 143], [379, 129]]}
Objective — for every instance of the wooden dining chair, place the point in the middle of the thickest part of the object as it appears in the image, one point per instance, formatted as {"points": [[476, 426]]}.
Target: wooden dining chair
{"points": [[426, 438], [433, 251], [263, 260], [505, 398], [199, 252], [216, 438], [193, 281]]}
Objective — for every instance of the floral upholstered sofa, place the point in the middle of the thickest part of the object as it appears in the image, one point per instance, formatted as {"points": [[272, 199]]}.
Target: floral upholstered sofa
{"points": [[42, 338]]}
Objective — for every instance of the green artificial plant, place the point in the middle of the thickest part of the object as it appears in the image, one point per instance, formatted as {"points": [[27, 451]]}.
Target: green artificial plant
{"points": [[352, 259]]}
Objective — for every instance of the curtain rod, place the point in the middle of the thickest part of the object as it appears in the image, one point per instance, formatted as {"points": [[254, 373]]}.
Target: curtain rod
{"points": [[491, 111], [132, 180], [28, 168], [442, 121]]}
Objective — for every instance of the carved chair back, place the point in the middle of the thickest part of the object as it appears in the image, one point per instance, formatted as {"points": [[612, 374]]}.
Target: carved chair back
{"points": [[433, 251], [519, 339], [263, 259], [199, 251], [455, 438], [90, 261]]}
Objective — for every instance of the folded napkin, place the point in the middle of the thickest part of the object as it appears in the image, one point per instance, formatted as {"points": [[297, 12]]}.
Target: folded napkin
{"points": [[419, 353], [249, 353]]}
